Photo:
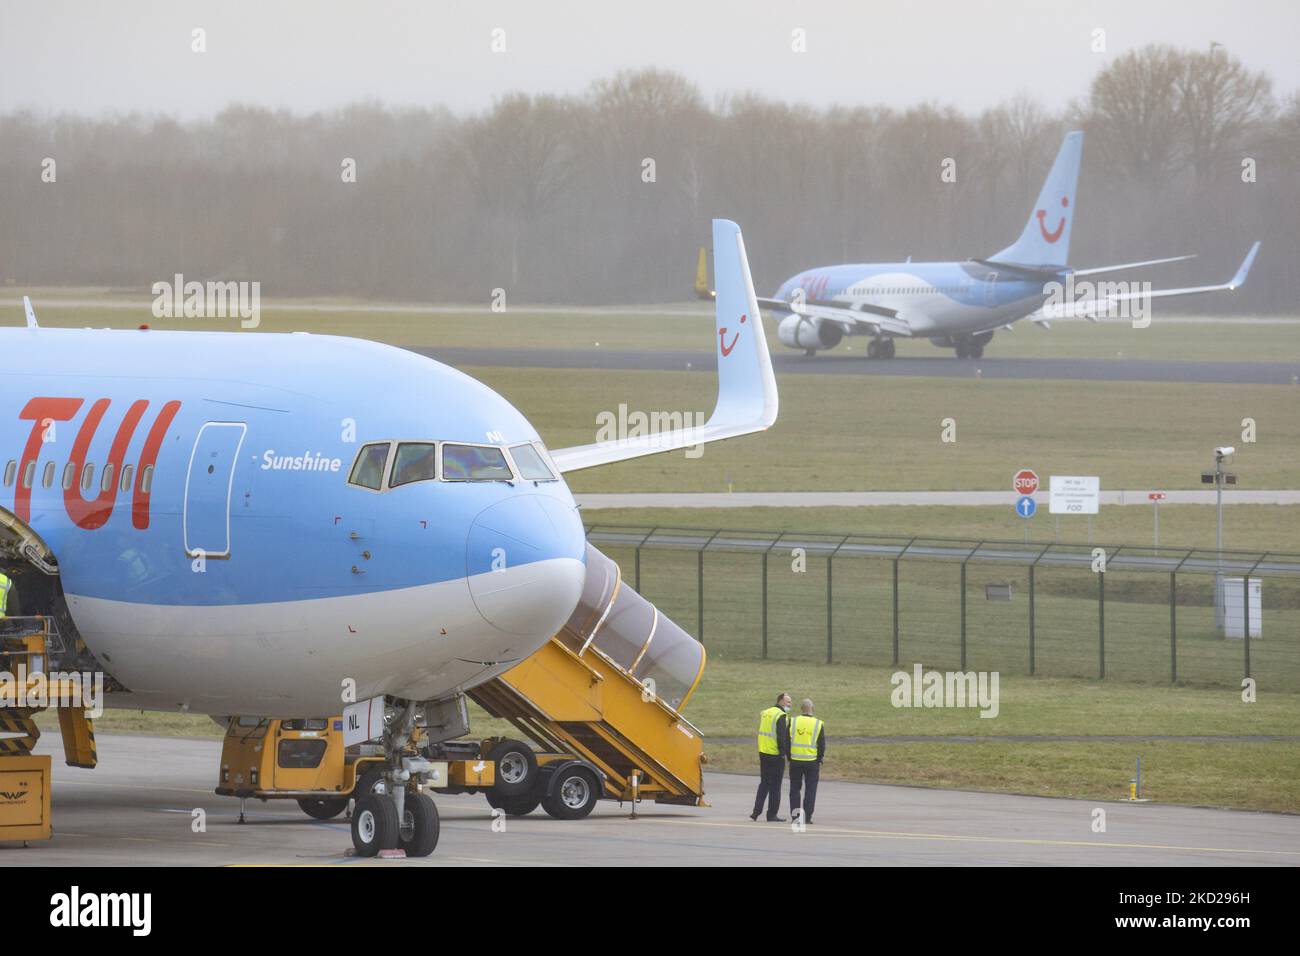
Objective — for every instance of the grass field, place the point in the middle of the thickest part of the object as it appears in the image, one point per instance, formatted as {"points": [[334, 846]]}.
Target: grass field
{"points": [[850, 433]]}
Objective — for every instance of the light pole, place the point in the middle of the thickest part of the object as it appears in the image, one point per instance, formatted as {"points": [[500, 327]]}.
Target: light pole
{"points": [[1218, 477]]}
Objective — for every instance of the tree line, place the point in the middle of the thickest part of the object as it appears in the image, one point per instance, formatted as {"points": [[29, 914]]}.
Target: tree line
{"points": [[605, 197]]}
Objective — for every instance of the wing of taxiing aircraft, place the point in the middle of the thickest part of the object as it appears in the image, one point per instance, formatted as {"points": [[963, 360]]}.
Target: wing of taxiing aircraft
{"points": [[1094, 309], [868, 320], [747, 398]]}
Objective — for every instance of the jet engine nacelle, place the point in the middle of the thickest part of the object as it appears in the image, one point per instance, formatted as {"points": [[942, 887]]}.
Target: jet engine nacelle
{"points": [[802, 332]]}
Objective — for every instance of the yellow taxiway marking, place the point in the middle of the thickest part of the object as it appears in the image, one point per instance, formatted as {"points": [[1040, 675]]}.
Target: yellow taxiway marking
{"points": [[818, 830]]}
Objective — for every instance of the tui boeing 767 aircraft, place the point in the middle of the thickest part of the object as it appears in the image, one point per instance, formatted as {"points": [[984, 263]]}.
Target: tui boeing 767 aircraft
{"points": [[959, 305], [235, 523]]}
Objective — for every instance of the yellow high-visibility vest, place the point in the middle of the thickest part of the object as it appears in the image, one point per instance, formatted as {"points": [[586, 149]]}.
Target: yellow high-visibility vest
{"points": [[804, 731], [6, 585], [767, 742]]}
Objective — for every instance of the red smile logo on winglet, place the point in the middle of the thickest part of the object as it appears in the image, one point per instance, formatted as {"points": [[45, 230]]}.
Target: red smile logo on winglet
{"points": [[1060, 226], [722, 339]]}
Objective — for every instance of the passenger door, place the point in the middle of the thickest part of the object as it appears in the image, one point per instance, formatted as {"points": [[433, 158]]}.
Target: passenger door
{"points": [[208, 487]]}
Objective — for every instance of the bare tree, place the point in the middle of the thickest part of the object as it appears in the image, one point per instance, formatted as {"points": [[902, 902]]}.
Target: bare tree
{"points": [[1220, 103]]}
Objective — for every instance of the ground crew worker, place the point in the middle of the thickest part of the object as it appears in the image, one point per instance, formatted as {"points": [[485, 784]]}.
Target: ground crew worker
{"points": [[6, 585], [807, 750], [773, 748]]}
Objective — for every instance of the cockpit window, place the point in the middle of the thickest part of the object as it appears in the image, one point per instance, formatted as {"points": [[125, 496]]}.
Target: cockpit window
{"points": [[474, 463], [368, 472], [415, 461], [531, 465]]}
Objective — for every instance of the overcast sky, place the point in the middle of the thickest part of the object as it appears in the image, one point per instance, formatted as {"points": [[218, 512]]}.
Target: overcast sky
{"points": [[96, 56]]}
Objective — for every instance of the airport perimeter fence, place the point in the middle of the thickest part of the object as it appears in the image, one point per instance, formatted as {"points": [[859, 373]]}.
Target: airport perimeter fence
{"points": [[956, 604]]}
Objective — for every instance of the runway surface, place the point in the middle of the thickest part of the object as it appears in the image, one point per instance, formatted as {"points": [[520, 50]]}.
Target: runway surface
{"points": [[865, 499], [938, 365], [137, 808]]}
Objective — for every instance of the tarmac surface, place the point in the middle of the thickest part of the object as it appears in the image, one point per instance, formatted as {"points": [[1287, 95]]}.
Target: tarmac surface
{"points": [[941, 364], [137, 809]]}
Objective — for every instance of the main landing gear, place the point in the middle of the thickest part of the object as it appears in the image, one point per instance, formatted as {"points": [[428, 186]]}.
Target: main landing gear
{"points": [[880, 348], [972, 346]]}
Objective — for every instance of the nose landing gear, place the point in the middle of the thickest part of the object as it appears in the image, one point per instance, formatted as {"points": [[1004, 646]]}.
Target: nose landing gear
{"points": [[392, 810]]}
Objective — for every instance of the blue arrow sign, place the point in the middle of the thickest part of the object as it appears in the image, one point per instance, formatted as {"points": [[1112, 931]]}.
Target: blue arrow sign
{"points": [[1026, 506]]}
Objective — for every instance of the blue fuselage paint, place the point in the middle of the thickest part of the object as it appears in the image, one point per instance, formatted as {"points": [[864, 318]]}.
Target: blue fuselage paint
{"points": [[935, 298], [275, 422]]}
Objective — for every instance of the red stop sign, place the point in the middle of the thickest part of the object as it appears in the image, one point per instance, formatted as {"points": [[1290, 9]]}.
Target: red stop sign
{"points": [[1025, 482]]}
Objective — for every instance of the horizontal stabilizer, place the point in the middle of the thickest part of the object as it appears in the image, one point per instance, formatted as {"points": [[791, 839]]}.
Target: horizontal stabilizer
{"points": [[1098, 270]]}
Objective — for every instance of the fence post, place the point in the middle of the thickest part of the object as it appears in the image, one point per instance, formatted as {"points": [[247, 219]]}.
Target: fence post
{"points": [[1101, 624], [765, 553], [895, 612], [1245, 618], [638, 569], [1031, 620], [830, 565], [1173, 627], [963, 615], [699, 590], [1245, 608]]}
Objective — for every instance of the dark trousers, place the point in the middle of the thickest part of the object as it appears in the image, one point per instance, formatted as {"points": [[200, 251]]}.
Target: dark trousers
{"points": [[771, 769], [804, 773]]}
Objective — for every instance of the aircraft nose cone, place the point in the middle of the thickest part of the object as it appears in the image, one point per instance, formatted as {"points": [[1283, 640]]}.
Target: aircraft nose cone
{"points": [[524, 558]]}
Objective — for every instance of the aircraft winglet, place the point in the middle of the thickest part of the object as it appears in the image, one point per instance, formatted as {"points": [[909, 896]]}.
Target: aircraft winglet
{"points": [[1246, 263], [747, 395], [31, 313]]}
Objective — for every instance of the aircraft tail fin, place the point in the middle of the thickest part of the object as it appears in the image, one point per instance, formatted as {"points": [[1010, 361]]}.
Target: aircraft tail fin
{"points": [[1045, 240]]}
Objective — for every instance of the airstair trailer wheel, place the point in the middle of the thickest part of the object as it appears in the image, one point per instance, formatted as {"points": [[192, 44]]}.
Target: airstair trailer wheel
{"points": [[516, 768], [514, 806], [573, 794]]}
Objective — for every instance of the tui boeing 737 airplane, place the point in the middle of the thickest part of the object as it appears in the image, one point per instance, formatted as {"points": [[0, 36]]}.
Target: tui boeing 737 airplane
{"points": [[237, 523], [959, 305]]}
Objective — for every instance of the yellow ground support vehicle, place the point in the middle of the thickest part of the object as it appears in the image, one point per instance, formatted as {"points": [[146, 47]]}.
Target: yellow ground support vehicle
{"points": [[306, 760], [27, 688]]}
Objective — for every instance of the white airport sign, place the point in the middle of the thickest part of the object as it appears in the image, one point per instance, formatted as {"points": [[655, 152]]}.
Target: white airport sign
{"points": [[1073, 494]]}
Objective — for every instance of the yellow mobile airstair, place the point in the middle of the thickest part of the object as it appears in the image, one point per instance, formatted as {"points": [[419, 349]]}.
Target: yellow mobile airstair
{"points": [[608, 689]]}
